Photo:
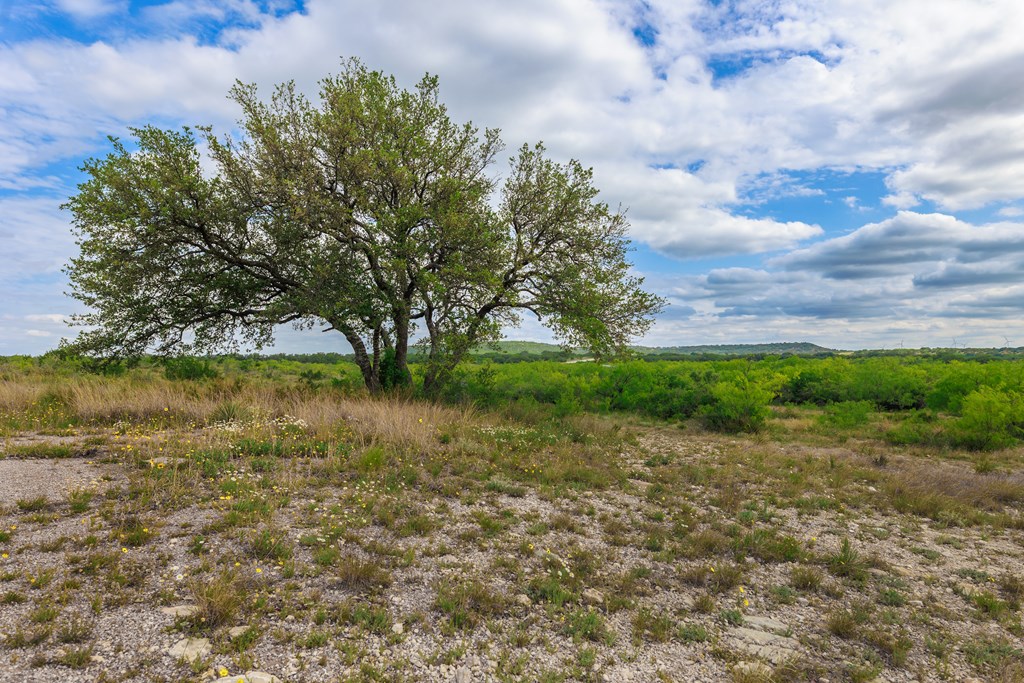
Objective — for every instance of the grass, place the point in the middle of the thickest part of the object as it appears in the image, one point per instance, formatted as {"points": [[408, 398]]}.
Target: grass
{"points": [[217, 599], [322, 521], [847, 562], [466, 603], [360, 575]]}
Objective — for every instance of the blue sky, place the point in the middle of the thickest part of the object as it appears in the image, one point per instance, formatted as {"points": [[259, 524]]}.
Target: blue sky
{"points": [[847, 173]]}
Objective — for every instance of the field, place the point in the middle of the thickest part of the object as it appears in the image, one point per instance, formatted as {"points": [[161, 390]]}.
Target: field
{"points": [[780, 519]]}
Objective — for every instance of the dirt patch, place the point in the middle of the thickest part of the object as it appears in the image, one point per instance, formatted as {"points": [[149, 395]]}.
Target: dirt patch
{"points": [[26, 479]]}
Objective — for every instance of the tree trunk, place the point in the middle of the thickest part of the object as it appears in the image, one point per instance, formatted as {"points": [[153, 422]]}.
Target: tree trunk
{"points": [[402, 348], [367, 366]]}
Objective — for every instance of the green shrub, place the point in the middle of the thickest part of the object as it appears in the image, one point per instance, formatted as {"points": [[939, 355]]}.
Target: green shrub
{"points": [[989, 419], [188, 368], [737, 407], [847, 414]]}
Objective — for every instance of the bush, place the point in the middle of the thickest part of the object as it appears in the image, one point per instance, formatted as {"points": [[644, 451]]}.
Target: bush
{"points": [[188, 368], [739, 407], [847, 414], [990, 419]]}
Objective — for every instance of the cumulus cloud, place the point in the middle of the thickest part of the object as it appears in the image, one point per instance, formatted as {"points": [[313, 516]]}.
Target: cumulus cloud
{"points": [[923, 277], [693, 114]]}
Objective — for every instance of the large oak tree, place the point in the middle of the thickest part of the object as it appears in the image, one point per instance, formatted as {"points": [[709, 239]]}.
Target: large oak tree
{"points": [[371, 212]]}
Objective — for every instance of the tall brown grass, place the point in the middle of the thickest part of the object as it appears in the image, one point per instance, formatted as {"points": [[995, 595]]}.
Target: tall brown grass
{"points": [[149, 397]]}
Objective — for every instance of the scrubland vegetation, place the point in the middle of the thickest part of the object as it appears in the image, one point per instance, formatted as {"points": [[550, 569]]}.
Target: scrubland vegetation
{"points": [[784, 519]]}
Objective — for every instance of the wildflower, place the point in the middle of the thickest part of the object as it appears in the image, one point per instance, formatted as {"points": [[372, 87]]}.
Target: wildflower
{"points": [[4, 556], [742, 589], [258, 570], [222, 672], [746, 603], [124, 550]]}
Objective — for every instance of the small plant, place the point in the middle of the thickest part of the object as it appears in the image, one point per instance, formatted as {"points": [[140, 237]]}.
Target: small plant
{"points": [[847, 562], [725, 577], [989, 605], [43, 614], [805, 578], [13, 598], [586, 624], [732, 617], [692, 633], [360, 575], [270, 544], [76, 658], [466, 603], [217, 600], [891, 597], [704, 603], [32, 504], [651, 625], [842, 624], [79, 499], [315, 639], [987, 652], [75, 630]]}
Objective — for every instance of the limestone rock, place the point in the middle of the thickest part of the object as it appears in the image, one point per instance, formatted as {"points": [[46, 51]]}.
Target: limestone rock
{"points": [[180, 610], [766, 624], [398, 629], [190, 649], [463, 675], [236, 631], [751, 642], [524, 600], [593, 596], [250, 677]]}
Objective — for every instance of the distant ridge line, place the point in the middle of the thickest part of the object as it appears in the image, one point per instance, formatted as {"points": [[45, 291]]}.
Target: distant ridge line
{"points": [[542, 348]]}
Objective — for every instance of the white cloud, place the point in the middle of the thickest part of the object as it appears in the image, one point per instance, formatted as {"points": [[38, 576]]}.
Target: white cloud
{"points": [[37, 333], [90, 9], [56, 318], [928, 92], [923, 278]]}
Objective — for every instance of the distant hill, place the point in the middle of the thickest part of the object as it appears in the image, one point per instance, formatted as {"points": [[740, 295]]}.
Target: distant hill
{"points": [[541, 350], [775, 348]]}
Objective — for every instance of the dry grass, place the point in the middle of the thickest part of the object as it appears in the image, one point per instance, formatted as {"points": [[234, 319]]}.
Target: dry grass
{"points": [[382, 420], [19, 395], [956, 484], [149, 397]]}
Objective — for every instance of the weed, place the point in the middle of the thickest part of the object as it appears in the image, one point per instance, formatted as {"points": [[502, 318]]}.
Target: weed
{"points": [[652, 625], [692, 633], [217, 600], [76, 658], [465, 603], [270, 544], [586, 624], [32, 504], [360, 575], [805, 578], [847, 562]]}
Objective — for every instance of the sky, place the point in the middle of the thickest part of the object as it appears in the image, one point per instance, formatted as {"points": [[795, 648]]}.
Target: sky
{"points": [[844, 172]]}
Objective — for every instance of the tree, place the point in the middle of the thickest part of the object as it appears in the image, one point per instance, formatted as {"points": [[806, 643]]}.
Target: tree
{"points": [[372, 213]]}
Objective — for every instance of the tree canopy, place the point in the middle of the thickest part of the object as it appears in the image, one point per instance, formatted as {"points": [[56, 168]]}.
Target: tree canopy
{"points": [[371, 212]]}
